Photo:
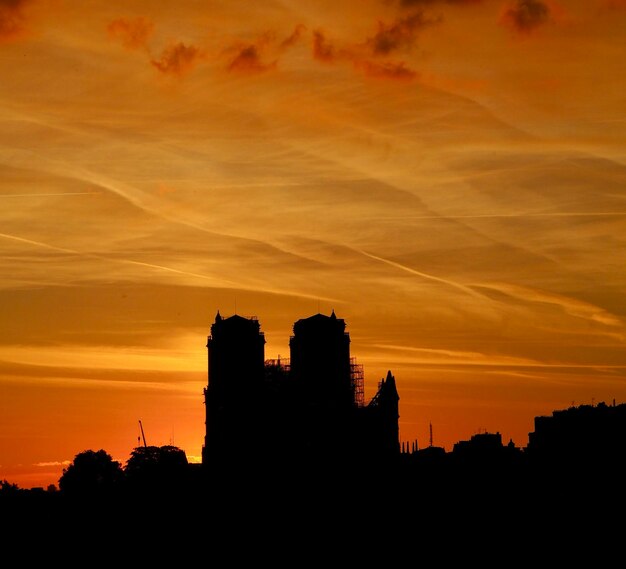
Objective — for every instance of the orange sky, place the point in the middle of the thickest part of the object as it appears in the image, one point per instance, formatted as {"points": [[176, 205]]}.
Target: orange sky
{"points": [[448, 175]]}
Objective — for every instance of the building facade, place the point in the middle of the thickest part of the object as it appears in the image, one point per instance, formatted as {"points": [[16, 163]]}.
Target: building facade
{"points": [[307, 408]]}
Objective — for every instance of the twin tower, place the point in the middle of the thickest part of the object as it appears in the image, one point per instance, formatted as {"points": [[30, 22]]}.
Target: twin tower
{"points": [[309, 408]]}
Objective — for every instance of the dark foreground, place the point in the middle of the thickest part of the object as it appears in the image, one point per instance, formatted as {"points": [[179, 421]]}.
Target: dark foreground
{"points": [[324, 516]]}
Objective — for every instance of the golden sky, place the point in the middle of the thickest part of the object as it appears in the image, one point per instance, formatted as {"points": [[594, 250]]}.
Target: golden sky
{"points": [[448, 175]]}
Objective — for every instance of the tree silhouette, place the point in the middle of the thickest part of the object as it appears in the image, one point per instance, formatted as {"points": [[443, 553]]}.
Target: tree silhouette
{"points": [[8, 488], [154, 467], [91, 473]]}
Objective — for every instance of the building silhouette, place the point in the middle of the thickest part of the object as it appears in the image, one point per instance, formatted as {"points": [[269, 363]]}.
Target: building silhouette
{"points": [[308, 408], [583, 437]]}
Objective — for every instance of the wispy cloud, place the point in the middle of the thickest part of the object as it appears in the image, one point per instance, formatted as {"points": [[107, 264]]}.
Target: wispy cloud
{"points": [[294, 37], [54, 463], [512, 215], [13, 21], [460, 357], [323, 49], [248, 58], [569, 305], [524, 16], [615, 4], [36, 195], [399, 35], [411, 3], [453, 284], [264, 53], [106, 258], [133, 34], [177, 59], [370, 58], [386, 70]]}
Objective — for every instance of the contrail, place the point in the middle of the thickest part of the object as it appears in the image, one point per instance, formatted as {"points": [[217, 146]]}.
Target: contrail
{"points": [[46, 195], [222, 282], [506, 215], [40, 244], [453, 284], [104, 258]]}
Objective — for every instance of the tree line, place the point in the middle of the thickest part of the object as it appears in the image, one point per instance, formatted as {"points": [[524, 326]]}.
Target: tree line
{"points": [[95, 472]]}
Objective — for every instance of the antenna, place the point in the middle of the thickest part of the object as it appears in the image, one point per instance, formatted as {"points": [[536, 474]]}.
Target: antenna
{"points": [[431, 434], [142, 434]]}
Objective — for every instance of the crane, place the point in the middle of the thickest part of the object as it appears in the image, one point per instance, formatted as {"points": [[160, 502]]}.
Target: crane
{"points": [[142, 434]]}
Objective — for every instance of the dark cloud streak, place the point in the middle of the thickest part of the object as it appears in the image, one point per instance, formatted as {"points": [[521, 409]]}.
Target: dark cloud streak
{"points": [[322, 49], [248, 58], [177, 59], [526, 15], [251, 57], [413, 3], [12, 19], [133, 34], [402, 34], [294, 38], [387, 70]]}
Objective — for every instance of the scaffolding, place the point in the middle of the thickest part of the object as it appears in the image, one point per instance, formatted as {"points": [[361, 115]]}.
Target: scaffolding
{"points": [[283, 366], [356, 382], [279, 363]]}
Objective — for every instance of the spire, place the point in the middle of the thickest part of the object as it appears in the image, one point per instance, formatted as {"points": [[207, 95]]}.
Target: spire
{"points": [[333, 316], [390, 386], [390, 378], [218, 317]]}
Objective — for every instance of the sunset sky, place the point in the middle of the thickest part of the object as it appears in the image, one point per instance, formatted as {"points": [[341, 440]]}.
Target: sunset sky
{"points": [[448, 176]]}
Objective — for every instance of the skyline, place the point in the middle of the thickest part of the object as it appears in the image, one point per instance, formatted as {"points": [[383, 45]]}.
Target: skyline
{"points": [[447, 176]]}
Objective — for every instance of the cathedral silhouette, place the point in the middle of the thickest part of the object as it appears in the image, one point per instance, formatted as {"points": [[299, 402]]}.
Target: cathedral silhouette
{"points": [[309, 408]]}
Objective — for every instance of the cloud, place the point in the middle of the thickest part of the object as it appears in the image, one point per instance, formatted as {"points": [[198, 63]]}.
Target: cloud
{"points": [[615, 4], [411, 3], [325, 51], [133, 34], [252, 56], [402, 34], [177, 59], [248, 58], [446, 282], [387, 70], [12, 19], [524, 16], [54, 463], [322, 49], [294, 38], [571, 306]]}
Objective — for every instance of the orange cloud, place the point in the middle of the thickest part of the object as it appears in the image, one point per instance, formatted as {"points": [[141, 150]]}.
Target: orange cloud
{"points": [[322, 49], [431, 2], [248, 59], [524, 16], [133, 34], [294, 38], [386, 70], [12, 19], [454, 84], [251, 57], [402, 34], [615, 4], [177, 59]]}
